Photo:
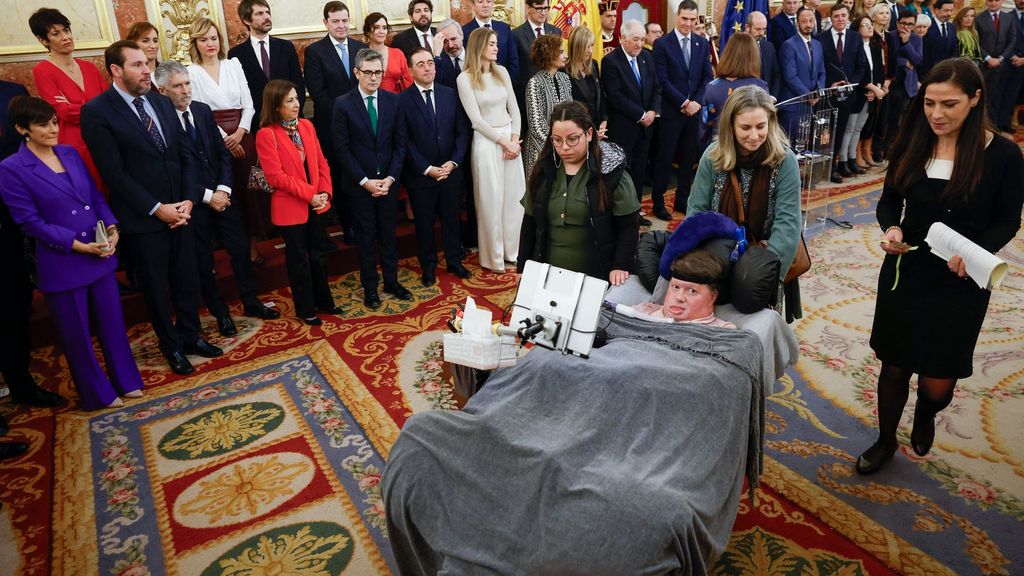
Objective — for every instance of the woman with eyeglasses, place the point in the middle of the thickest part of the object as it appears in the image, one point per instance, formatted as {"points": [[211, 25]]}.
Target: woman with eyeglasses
{"points": [[64, 81], [582, 213], [499, 183]]}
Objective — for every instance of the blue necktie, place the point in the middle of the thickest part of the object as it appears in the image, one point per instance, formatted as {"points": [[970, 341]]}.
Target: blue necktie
{"points": [[686, 51], [188, 127], [343, 52], [147, 122], [636, 72], [430, 107]]}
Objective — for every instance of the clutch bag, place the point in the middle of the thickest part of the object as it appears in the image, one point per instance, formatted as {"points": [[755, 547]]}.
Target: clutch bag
{"points": [[101, 234]]}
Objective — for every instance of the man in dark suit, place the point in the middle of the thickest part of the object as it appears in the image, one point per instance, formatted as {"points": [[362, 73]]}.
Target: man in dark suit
{"points": [[783, 25], [757, 26], [265, 58], [216, 212], [683, 64], [845, 63], [369, 142], [997, 38], [634, 100], [420, 34], [535, 25], [1015, 72], [940, 42], [803, 71], [16, 294], [147, 162], [438, 135], [330, 66], [508, 56], [449, 53]]}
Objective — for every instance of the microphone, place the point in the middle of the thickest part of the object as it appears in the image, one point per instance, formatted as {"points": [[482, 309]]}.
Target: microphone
{"points": [[842, 90]]}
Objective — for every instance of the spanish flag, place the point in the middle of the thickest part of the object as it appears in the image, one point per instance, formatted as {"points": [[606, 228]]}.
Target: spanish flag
{"points": [[568, 14]]}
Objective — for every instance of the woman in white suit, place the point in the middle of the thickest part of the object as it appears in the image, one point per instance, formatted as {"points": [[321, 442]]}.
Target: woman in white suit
{"points": [[499, 182]]}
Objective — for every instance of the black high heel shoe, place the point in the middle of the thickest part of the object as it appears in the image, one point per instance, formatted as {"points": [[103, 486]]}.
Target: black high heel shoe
{"points": [[874, 458], [923, 434]]}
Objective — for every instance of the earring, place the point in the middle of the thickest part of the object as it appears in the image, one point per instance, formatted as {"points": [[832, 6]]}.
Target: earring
{"points": [[556, 158]]}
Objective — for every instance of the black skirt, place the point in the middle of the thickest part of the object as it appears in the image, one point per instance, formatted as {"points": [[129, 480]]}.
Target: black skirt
{"points": [[928, 324]]}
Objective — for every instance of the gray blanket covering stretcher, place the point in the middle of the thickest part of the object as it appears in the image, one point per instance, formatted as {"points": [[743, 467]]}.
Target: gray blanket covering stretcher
{"points": [[630, 462]]}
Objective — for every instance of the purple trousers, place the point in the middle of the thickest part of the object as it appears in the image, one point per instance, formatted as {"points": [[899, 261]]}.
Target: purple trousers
{"points": [[71, 311]]}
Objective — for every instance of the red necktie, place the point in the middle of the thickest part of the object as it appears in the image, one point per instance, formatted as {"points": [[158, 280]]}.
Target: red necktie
{"points": [[995, 21], [839, 47], [265, 59]]}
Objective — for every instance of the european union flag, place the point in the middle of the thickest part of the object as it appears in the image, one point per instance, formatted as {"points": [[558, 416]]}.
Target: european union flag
{"points": [[736, 17]]}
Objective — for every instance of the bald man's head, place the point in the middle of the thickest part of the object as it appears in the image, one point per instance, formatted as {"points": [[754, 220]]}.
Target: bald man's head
{"points": [[757, 25]]}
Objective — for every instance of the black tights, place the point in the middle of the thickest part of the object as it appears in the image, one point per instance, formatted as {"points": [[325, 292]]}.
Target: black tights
{"points": [[933, 395]]}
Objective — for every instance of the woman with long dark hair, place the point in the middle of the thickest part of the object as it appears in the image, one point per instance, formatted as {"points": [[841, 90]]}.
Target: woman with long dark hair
{"points": [[952, 168], [582, 213]]}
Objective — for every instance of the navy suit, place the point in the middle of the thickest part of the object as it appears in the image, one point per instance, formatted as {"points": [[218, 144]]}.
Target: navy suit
{"points": [[364, 154], [432, 140], [139, 176], [937, 48], [284, 65], [1015, 74], [326, 80], [627, 103], [408, 40], [851, 69], [524, 36], [679, 84], [769, 66], [16, 289], [508, 55], [799, 76], [214, 161], [446, 72], [780, 29], [1001, 44]]}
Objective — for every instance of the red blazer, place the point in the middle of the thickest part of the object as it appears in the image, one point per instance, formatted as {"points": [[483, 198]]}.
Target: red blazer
{"points": [[279, 158], [51, 83]]}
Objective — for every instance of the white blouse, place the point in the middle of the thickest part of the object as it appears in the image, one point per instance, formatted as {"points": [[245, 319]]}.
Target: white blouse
{"points": [[232, 93]]}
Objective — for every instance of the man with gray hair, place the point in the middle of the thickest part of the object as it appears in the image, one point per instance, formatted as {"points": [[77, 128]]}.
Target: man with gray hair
{"points": [[449, 53], [634, 100], [216, 212], [369, 143], [757, 26]]}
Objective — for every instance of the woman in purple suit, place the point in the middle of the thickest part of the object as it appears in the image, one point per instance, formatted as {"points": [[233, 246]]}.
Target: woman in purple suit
{"points": [[53, 199]]}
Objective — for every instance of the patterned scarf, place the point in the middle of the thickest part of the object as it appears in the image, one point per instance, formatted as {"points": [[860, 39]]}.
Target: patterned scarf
{"points": [[292, 128]]}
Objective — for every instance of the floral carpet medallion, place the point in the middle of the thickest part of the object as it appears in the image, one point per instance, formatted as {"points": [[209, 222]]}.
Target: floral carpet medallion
{"points": [[273, 468]]}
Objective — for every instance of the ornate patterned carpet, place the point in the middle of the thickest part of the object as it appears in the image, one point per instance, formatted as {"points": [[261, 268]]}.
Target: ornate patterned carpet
{"points": [[299, 419]]}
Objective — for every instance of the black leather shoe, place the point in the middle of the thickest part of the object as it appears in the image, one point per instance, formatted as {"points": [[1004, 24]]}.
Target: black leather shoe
{"points": [[336, 310], [202, 348], [313, 321], [398, 291], [10, 450], [460, 271], [262, 311], [836, 178], [923, 434], [851, 165], [37, 398], [226, 326], [841, 169], [645, 221], [662, 214], [179, 363], [429, 279], [371, 300], [874, 458]]}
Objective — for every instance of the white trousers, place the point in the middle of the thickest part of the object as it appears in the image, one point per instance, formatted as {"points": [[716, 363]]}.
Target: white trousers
{"points": [[498, 188]]}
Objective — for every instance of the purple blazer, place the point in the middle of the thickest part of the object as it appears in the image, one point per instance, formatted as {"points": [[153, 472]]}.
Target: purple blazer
{"points": [[57, 211]]}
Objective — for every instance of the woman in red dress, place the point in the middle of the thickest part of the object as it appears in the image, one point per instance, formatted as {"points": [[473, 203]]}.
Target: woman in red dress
{"points": [[64, 81]]}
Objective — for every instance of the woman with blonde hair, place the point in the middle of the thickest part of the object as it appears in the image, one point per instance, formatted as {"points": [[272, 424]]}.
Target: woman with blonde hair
{"points": [[967, 34], [740, 66], [499, 183], [862, 8], [586, 77], [548, 87], [148, 38], [753, 154], [220, 83]]}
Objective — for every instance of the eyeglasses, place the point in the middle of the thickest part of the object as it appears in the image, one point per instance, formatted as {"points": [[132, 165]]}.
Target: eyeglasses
{"points": [[572, 140], [372, 73], [539, 8]]}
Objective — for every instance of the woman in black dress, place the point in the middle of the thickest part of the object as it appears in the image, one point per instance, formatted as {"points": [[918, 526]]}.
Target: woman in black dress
{"points": [[951, 168]]}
